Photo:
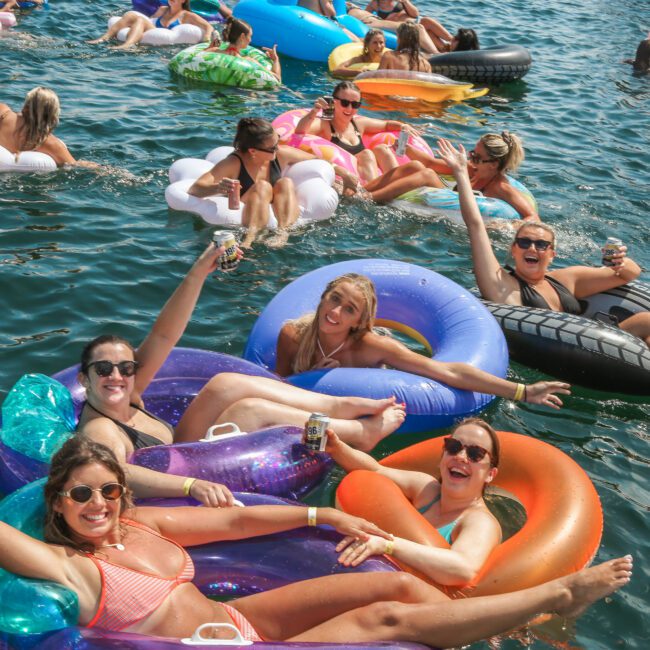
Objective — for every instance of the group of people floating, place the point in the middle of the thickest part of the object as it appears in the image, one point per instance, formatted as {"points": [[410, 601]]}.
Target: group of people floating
{"points": [[96, 541]]}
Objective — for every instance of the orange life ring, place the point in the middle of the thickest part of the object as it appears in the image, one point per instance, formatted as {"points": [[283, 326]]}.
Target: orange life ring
{"points": [[564, 516]]}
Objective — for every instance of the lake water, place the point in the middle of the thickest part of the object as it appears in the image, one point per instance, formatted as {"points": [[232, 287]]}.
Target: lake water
{"points": [[83, 253]]}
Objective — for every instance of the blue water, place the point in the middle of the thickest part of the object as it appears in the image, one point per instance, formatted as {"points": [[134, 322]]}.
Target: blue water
{"points": [[84, 253]]}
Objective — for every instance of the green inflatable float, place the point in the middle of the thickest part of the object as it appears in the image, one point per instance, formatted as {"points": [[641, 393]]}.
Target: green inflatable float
{"points": [[254, 71]]}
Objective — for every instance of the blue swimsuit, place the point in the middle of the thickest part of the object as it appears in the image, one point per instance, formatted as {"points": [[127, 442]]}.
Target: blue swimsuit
{"points": [[445, 530], [171, 25]]}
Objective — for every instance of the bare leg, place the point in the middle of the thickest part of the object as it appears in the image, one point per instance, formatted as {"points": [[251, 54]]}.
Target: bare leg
{"points": [[443, 623], [639, 325], [127, 20], [255, 215], [435, 164], [385, 157], [138, 28], [402, 179], [286, 209], [367, 165], [433, 33]]}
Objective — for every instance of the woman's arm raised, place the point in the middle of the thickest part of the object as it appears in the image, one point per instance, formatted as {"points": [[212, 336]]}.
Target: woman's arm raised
{"points": [[489, 273]]}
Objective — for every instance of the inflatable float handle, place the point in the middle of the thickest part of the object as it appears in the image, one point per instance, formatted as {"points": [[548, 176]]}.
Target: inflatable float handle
{"points": [[231, 431], [197, 639]]}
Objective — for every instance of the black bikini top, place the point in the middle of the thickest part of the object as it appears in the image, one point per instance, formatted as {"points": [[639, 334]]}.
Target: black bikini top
{"points": [[352, 149], [530, 297], [275, 172]]}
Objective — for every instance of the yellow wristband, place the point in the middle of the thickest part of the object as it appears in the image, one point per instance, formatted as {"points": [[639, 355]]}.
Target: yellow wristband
{"points": [[390, 545], [520, 392], [187, 486], [311, 516]]}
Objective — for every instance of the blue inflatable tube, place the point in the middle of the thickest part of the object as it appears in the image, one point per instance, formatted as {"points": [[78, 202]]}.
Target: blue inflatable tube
{"points": [[226, 569], [441, 315], [204, 8], [298, 32], [40, 413]]}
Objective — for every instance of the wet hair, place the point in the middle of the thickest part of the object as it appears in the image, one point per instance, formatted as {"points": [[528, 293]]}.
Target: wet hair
{"points": [[307, 326], [641, 61], [537, 224], [506, 148], [346, 85], [89, 348], [495, 454], [466, 39], [234, 29], [77, 452], [251, 133], [370, 34], [40, 112], [408, 40]]}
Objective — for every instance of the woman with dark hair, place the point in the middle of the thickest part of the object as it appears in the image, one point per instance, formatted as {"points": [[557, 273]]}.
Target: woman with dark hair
{"points": [[238, 34], [258, 163], [32, 128], [377, 169], [452, 503], [109, 554], [176, 12], [531, 283], [374, 43], [641, 62], [407, 55]]}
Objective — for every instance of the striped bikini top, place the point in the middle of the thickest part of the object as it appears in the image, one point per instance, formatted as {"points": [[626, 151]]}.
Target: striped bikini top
{"points": [[129, 595]]}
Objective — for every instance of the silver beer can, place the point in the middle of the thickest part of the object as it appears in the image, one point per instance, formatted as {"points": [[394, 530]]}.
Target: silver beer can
{"points": [[611, 247], [229, 261], [315, 436], [402, 141]]}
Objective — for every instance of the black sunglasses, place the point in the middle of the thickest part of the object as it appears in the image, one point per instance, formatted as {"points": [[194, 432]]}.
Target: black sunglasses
{"points": [[273, 149], [475, 453], [476, 159], [84, 493], [105, 368], [348, 102], [526, 242]]}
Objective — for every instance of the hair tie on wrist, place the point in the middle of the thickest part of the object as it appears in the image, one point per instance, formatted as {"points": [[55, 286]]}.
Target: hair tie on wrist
{"points": [[311, 515], [187, 486]]}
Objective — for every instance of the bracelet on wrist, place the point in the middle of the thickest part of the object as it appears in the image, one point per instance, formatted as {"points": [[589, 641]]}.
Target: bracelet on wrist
{"points": [[187, 486], [520, 391], [390, 547], [311, 515]]}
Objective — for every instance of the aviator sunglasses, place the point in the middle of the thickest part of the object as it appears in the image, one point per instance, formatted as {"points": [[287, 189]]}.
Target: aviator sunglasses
{"points": [[105, 368], [349, 102], [475, 453], [526, 242], [84, 493]]}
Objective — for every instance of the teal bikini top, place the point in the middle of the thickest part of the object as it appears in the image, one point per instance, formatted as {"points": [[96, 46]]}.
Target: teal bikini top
{"points": [[445, 530]]}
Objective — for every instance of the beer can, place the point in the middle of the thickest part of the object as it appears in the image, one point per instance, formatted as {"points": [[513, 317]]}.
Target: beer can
{"points": [[233, 196], [611, 247], [402, 141], [315, 437], [229, 261]]}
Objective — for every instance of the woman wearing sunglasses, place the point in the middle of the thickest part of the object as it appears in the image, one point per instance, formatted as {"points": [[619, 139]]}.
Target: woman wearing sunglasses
{"points": [[530, 283], [453, 504], [131, 573], [115, 375], [340, 334], [346, 129]]}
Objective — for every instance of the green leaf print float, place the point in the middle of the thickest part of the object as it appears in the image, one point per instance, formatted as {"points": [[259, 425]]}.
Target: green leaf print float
{"points": [[225, 69]]}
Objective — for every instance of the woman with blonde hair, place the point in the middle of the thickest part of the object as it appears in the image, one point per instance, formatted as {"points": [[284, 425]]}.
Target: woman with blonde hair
{"points": [[407, 55], [32, 128]]}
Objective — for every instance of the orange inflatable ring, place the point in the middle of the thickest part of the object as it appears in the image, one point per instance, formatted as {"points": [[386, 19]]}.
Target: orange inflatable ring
{"points": [[564, 516]]}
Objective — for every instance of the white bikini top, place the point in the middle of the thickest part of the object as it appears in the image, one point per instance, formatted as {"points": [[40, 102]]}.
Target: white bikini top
{"points": [[25, 161]]}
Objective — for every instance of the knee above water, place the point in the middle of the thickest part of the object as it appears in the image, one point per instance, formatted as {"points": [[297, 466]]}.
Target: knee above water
{"points": [[284, 184], [261, 189]]}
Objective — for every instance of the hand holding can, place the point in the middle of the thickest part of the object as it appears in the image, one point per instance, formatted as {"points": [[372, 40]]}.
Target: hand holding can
{"points": [[611, 248], [229, 261], [234, 195], [315, 437], [328, 113]]}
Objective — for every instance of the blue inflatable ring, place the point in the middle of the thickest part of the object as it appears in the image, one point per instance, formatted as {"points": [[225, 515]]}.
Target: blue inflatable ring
{"points": [[451, 323]]}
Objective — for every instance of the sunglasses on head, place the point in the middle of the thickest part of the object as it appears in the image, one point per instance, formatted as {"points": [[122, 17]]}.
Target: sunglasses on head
{"points": [[348, 102], [84, 493], [526, 242], [273, 149], [105, 368], [475, 453], [476, 158]]}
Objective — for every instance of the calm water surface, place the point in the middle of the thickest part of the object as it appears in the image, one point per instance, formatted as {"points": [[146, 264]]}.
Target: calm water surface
{"points": [[84, 253]]}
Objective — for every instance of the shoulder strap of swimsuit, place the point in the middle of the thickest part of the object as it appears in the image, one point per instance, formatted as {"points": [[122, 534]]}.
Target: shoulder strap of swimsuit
{"points": [[423, 509]]}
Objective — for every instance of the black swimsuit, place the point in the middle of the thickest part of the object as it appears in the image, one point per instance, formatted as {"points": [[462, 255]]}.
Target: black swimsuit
{"points": [[139, 439], [530, 297], [353, 149], [275, 173], [398, 6]]}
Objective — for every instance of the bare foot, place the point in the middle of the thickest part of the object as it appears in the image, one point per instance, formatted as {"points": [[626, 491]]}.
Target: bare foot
{"points": [[351, 408], [589, 585], [378, 426], [278, 239], [123, 47], [101, 39]]}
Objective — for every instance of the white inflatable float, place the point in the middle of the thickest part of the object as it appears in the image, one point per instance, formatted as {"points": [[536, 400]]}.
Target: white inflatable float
{"points": [[313, 180], [179, 35], [25, 161]]}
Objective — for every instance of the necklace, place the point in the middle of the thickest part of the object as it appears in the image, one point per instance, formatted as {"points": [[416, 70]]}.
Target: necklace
{"points": [[119, 546], [334, 351]]}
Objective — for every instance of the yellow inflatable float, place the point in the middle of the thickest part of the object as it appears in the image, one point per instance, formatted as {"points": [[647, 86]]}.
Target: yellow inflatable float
{"points": [[427, 87], [339, 55]]}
